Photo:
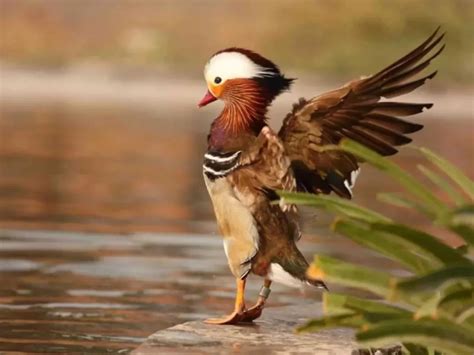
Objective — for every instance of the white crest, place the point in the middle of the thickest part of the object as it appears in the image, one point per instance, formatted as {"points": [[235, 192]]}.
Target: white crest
{"points": [[233, 65]]}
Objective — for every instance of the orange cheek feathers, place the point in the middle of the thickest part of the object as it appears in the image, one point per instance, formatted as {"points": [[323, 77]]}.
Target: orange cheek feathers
{"points": [[216, 90]]}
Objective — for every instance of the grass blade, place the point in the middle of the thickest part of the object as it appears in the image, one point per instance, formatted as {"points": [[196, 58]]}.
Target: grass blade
{"points": [[337, 304], [466, 184], [340, 321], [424, 242], [397, 249], [442, 335], [334, 270], [412, 185], [435, 279], [332, 204], [403, 202], [443, 184]]}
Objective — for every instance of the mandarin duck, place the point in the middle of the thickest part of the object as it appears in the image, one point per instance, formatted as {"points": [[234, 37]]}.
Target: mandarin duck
{"points": [[247, 162]]}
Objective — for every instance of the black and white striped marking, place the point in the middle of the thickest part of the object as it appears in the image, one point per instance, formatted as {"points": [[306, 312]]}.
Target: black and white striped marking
{"points": [[219, 164]]}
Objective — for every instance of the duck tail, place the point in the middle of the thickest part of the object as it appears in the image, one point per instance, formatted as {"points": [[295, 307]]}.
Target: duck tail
{"points": [[317, 283], [292, 269]]}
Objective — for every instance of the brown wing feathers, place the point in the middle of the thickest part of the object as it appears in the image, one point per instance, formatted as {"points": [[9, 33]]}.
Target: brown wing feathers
{"points": [[356, 112], [390, 82], [404, 68]]}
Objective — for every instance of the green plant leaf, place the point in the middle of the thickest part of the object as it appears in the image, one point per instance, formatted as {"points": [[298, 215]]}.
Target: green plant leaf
{"points": [[435, 279], [462, 216], [463, 249], [337, 304], [466, 233], [429, 200], [414, 349], [444, 336], [399, 201], [456, 302], [332, 204], [430, 307], [338, 321], [466, 316], [443, 184], [461, 221], [424, 242], [334, 270], [466, 184], [353, 312], [333, 304], [441, 288], [397, 249], [458, 292]]}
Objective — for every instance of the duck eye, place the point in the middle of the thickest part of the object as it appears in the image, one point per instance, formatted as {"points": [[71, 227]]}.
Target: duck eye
{"points": [[217, 80]]}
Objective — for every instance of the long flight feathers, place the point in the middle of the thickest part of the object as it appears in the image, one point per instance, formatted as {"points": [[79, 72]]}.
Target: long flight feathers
{"points": [[355, 111]]}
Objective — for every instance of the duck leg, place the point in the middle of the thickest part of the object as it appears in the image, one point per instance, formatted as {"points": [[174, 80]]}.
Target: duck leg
{"points": [[256, 311], [238, 314]]}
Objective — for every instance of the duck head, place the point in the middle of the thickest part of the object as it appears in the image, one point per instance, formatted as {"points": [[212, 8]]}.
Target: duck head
{"points": [[237, 75]]}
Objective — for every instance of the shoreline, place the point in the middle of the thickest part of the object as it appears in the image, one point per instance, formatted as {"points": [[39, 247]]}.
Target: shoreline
{"points": [[273, 333], [94, 86]]}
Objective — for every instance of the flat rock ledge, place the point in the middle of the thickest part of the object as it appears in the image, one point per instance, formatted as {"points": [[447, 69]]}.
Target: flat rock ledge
{"points": [[273, 333]]}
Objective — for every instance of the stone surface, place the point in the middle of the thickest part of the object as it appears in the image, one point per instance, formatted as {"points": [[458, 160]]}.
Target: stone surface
{"points": [[273, 333]]}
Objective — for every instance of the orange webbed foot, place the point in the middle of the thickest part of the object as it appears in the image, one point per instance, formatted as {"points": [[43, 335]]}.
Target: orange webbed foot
{"points": [[241, 314], [253, 313], [256, 311], [233, 318]]}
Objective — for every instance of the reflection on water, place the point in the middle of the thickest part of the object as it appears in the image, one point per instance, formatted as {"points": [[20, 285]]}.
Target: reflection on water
{"points": [[118, 171], [64, 292], [63, 168]]}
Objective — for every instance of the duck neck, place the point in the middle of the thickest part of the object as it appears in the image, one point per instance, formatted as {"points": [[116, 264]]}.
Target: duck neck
{"points": [[243, 114]]}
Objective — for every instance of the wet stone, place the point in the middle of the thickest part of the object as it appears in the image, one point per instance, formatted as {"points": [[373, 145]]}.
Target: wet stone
{"points": [[273, 333]]}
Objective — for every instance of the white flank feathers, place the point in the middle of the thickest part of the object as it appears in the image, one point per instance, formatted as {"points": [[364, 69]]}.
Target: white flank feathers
{"points": [[279, 275]]}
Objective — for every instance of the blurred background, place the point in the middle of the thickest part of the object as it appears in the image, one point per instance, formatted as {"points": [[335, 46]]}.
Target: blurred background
{"points": [[106, 230]]}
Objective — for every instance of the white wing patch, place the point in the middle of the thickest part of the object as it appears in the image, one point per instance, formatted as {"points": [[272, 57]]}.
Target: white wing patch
{"points": [[233, 65], [279, 275], [350, 184]]}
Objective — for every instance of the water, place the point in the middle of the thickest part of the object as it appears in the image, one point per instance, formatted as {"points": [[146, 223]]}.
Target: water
{"points": [[131, 178]]}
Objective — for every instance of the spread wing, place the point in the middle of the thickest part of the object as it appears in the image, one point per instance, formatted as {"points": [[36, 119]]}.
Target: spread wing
{"points": [[356, 112]]}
